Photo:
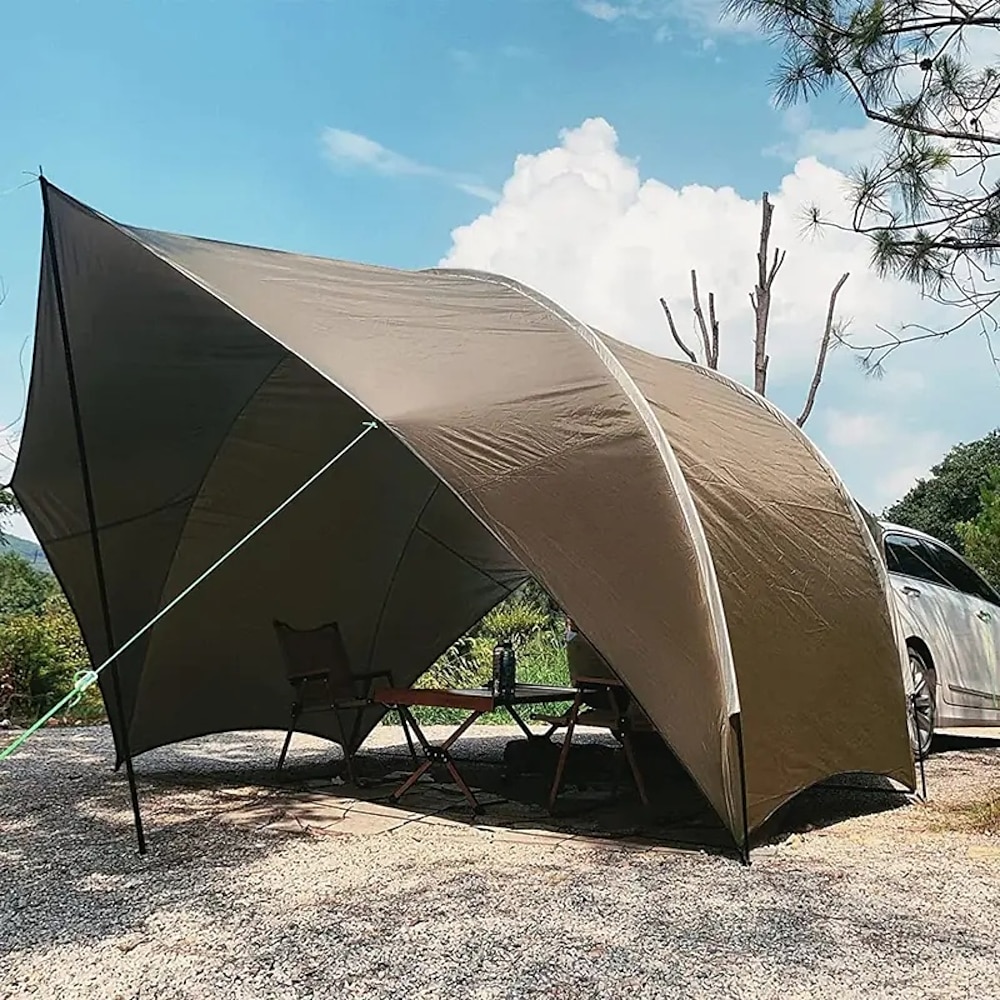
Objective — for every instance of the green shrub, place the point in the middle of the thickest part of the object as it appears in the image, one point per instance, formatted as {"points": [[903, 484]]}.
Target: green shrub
{"points": [[981, 536], [23, 589], [541, 659], [513, 620], [41, 654]]}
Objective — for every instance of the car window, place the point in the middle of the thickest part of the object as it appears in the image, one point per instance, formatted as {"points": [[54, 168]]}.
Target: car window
{"points": [[909, 556], [960, 574]]}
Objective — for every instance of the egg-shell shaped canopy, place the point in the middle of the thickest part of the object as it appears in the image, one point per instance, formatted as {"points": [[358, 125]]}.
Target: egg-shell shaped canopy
{"points": [[214, 379]]}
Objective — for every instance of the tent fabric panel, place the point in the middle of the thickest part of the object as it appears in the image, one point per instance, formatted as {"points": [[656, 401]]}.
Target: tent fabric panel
{"points": [[518, 414], [155, 362], [450, 546], [47, 480], [346, 550], [644, 612], [812, 633], [161, 374]]}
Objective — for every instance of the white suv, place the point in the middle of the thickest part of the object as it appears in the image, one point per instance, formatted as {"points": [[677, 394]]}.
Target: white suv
{"points": [[951, 621]]}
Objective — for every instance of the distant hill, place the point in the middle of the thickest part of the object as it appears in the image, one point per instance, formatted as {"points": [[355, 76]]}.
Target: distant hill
{"points": [[30, 551]]}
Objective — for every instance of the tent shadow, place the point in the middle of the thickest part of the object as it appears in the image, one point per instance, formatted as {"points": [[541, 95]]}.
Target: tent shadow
{"points": [[830, 802], [598, 801]]}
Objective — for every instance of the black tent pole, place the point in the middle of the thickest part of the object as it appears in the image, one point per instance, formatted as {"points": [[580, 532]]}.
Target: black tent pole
{"points": [[920, 756], [737, 723], [88, 490]]}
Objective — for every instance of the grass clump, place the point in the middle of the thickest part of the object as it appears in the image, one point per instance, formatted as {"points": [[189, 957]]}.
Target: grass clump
{"points": [[979, 815], [534, 629]]}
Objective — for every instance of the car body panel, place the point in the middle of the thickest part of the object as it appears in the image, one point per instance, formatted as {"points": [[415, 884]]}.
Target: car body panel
{"points": [[959, 628]]}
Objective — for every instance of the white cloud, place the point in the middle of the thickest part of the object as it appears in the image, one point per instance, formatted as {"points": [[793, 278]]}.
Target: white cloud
{"points": [[893, 453], [579, 223], [856, 430], [842, 148], [346, 149], [10, 440], [465, 60], [603, 10], [701, 15], [517, 52]]}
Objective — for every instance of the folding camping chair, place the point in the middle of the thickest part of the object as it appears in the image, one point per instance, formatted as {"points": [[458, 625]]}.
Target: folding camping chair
{"points": [[319, 671], [601, 702]]}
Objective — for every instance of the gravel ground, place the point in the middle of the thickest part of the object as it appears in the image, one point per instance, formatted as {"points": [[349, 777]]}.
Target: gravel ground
{"points": [[881, 905]]}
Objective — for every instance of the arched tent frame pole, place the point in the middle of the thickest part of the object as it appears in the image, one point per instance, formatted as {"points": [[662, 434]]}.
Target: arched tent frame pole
{"points": [[88, 489], [708, 579]]}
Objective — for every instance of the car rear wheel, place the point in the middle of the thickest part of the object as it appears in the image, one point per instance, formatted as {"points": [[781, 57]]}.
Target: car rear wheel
{"points": [[923, 706]]}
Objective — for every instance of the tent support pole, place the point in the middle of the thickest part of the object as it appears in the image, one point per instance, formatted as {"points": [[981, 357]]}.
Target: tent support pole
{"points": [[91, 514], [920, 756], [737, 722]]}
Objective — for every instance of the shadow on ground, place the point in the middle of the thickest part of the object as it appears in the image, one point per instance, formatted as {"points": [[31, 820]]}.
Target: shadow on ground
{"points": [[951, 742], [512, 780]]}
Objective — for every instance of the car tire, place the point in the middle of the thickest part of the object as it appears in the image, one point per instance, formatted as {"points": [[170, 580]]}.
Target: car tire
{"points": [[923, 703]]}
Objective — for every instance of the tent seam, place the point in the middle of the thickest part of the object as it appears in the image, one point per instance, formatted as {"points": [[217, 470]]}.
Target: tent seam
{"points": [[395, 572], [208, 471], [675, 476], [655, 430], [134, 235]]}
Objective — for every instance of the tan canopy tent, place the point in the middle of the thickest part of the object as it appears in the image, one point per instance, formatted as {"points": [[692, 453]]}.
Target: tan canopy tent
{"points": [[182, 388]]}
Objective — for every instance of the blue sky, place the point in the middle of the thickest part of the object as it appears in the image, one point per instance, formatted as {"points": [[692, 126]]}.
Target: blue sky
{"points": [[209, 117]]}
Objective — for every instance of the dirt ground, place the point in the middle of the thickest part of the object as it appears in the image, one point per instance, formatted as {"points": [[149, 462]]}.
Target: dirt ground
{"points": [[255, 887]]}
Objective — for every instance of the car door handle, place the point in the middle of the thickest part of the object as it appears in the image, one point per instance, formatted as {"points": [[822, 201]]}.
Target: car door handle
{"points": [[911, 591], [984, 616]]}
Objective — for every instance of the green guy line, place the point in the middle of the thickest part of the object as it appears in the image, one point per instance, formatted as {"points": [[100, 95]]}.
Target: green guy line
{"points": [[86, 678]]}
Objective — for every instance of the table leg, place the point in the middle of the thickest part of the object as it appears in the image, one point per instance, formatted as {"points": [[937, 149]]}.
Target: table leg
{"points": [[516, 716], [634, 765], [625, 736], [406, 732], [437, 755], [564, 752]]}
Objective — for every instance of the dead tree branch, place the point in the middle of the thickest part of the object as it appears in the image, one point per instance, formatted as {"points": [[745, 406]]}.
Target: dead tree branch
{"points": [[714, 323], [769, 263], [824, 350], [692, 357], [707, 340]]}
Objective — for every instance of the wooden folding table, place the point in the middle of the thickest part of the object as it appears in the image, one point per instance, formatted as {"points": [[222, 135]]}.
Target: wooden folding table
{"points": [[477, 702]]}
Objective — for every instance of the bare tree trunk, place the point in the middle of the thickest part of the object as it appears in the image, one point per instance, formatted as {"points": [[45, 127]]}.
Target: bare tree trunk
{"points": [[768, 265], [824, 349], [760, 297], [714, 323], [707, 340]]}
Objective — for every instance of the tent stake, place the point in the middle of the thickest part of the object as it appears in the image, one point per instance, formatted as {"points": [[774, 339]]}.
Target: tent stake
{"points": [[88, 491], [736, 721]]}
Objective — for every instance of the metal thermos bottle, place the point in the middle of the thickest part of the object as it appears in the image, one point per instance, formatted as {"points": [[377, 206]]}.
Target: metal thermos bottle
{"points": [[497, 669], [507, 678]]}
